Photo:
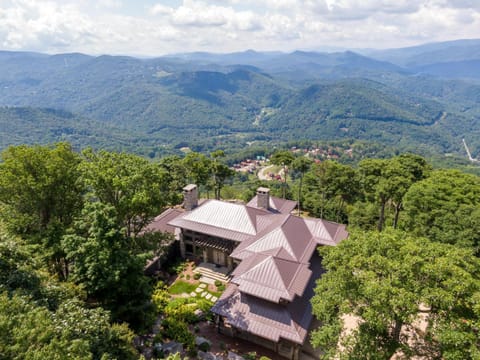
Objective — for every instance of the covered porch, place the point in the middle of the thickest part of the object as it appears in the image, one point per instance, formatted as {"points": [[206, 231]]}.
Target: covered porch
{"points": [[208, 249]]}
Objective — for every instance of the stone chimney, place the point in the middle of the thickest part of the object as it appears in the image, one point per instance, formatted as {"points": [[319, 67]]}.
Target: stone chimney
{"points": [[263, 198], [190, 197]]}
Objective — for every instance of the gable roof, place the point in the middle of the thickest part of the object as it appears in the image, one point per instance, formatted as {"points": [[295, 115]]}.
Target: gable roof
{"points": [[271, 278], [223, 219], [270, 320]]}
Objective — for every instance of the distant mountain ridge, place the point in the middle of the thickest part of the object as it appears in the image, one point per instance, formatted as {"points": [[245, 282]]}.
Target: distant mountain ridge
{"points": [[215, 99]]}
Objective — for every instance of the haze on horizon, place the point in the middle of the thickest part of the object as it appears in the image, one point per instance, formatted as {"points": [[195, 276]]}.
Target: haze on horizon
{"points": [[153, 27]]}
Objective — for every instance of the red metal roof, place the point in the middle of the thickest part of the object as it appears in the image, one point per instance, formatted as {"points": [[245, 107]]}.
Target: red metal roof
{"points": [[161, 222], [271, 278], [276, 204], [266, 319], [277, 253]]}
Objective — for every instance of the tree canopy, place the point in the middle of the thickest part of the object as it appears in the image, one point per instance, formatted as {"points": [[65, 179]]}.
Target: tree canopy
{"points": [[384, 281], [445, 207]]}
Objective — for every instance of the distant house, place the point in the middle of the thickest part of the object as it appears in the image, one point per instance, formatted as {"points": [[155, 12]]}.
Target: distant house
{"points": [[272, 256]]}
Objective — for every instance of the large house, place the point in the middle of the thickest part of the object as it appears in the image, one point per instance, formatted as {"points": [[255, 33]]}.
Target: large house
{"points": [[272, 257]]}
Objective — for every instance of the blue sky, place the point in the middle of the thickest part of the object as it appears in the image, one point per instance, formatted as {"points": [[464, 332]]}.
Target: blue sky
{"points": [[152, 27]]}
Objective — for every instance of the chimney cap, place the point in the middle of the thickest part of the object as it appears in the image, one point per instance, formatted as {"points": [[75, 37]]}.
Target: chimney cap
{"points": [[263, 190], [189, 187]]}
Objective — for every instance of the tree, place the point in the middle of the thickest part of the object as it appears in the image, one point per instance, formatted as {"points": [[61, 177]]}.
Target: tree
{"points": [[136, 188], [198, 168], [73, 332], [384, 181], [384, 280], [220, 172], [283, 158], [302, 165], [374, 185], [106, 266], [329, 187], [41, 194], [445, 207], [175, 176], [400, 174]]}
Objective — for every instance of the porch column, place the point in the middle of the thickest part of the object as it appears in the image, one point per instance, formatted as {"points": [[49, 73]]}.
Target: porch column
{"points": [[205, 255], [229, 262], [182, 246]]}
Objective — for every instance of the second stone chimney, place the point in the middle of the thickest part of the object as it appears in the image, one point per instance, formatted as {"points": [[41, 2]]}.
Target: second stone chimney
{"points": [[263, 198], [190, 197]]}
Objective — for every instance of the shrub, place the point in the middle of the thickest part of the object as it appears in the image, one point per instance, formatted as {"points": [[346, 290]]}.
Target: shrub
{"points": [[182, 309], [160, 299], [188, 277], [265, 358], [204, 346], [177, 330], [221, 287], [197, 276], [252, 355], [218, 283]]}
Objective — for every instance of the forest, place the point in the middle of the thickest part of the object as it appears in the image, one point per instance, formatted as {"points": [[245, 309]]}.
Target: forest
{"points": [[73, 250]]}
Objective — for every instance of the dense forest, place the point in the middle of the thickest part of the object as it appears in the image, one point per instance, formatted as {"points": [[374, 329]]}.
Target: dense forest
{"points": [[73, 250], [422, 100]]}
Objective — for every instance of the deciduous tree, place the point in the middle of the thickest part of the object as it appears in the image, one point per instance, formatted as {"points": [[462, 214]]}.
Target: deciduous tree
{"points": [[384, 280], [41, 194], [137, 189]]}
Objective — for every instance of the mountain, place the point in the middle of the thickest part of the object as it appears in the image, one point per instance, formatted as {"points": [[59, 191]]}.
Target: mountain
{"points": [[20, 125], [451, 59], [207, 101]]}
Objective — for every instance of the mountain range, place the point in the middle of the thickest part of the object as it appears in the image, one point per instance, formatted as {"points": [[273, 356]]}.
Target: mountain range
{"points": [[424, 98]]}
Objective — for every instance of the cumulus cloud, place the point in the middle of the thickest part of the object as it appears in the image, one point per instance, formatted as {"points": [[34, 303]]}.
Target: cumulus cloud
{"points": [[120, 26]]}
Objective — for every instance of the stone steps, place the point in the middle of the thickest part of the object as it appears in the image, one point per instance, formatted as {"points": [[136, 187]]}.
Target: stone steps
{"points": [[211, 274]]}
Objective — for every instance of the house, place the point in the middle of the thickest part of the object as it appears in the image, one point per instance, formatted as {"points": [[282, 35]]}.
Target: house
{"points": [[272, 257]]}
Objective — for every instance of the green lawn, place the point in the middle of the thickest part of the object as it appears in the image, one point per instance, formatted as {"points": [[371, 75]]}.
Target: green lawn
{"points": [[180, 287]]}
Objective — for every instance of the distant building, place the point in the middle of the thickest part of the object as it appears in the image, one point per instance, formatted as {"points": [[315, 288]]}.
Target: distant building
{"points": [[272, 256]]}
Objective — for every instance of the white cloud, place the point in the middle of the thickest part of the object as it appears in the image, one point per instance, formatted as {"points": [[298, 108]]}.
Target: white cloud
{"points": [[159, 9], [110, 26]]}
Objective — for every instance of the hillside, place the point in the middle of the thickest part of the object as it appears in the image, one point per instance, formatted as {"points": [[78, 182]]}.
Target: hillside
{"points": [[228, 100]]}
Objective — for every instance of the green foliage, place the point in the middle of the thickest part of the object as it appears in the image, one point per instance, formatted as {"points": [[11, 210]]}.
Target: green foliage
{"points": [[197, 276], [252, 355], [177, 330], [74, 332], [204, 346], [41, 195], [160, 298], [105, 268], [182, 309], [445, 207], [384, 279], [136, 188], [329, 187]]}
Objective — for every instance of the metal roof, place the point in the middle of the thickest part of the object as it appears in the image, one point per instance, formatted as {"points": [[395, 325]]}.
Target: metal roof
{"points": [[277, 204], [161, 222], [278, 258], [271, 278], [266, 319], [225, 215]]}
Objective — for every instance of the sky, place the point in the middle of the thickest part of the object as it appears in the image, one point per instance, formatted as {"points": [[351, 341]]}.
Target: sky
{"points": [[154, 28]]}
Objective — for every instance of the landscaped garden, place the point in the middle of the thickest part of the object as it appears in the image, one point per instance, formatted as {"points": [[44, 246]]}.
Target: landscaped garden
{"points": [[183, 302]]}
